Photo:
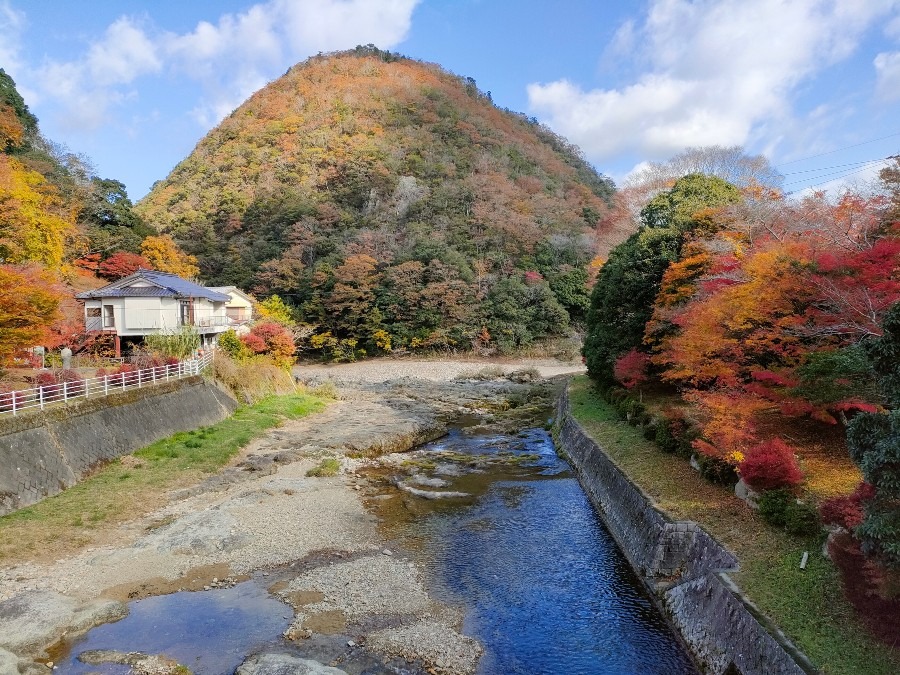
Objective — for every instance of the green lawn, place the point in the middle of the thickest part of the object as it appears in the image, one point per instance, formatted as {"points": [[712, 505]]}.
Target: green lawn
{"points": [[137, 484], [808, 605]]}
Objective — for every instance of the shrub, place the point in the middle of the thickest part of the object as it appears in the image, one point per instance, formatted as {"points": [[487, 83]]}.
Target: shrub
{"points": [[8, 397], [664, 438], [801, 519], [74, 382], [180, 344], [847, 510], [773, 506], [231, 344], [770, 465], [717, 469], [869, 586]]}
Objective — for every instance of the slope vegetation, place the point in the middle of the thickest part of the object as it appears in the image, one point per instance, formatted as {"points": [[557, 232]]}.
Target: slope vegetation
{"points": [[393, 205]]}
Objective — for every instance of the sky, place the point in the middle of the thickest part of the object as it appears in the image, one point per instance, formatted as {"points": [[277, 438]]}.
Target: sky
{"points": [[812, 84]]}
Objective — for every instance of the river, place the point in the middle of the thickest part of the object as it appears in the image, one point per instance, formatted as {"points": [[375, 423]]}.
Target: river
{"points": [[539, 580]]}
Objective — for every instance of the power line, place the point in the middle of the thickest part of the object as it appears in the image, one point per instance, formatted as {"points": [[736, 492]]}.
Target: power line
{"points": [[838, 177], [846, 147], [836, 166], [865, 165]]}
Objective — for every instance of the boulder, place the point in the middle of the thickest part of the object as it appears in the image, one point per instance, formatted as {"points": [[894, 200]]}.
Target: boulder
{"points": [[284, 664]]}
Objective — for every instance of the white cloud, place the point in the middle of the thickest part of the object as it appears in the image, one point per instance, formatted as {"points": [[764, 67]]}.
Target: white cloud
{"points": [[229, 58], [718, 70], [12, 23], [887, 69], [124, 54]]}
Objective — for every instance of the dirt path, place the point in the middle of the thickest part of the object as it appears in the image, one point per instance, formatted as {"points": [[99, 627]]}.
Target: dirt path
{"points": [[266, 514]]}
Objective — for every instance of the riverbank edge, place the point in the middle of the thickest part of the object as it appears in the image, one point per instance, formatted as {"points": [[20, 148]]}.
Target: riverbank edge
{"points": [[683, 567]]}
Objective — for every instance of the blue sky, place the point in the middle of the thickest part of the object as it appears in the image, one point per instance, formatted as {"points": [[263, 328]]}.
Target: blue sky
{"points": [[810, 83]]}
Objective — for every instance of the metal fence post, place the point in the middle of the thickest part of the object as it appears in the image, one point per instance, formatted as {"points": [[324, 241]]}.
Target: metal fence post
{"points": [[139, 377], [65, 392], [106, 385], [41, 396], [12, 395]]}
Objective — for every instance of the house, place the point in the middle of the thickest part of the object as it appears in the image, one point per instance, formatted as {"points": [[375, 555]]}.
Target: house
{"points": [[240, 307], [149, 302]]}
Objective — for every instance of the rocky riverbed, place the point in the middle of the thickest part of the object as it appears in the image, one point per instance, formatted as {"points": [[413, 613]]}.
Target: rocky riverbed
{"points": [[357, 605]]}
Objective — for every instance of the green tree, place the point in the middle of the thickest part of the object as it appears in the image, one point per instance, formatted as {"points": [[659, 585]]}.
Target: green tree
{"points": [[874, 443], [690, 195], [626, 289], [11, 97]]}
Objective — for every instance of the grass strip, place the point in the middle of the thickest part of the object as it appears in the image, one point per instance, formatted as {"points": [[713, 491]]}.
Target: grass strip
{"points": [[134, 485], [808, 605]]}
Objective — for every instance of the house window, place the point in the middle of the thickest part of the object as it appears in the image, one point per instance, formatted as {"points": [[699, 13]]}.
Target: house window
{"points": [[109, 316], [187, 313]]}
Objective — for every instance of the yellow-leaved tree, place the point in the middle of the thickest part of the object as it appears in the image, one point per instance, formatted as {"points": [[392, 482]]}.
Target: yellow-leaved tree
{"points": [[164, 255], [35, 223]]}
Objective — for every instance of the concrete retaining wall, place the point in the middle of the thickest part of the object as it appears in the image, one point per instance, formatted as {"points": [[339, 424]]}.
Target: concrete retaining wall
{"points": [[41, 454], [684, 567]]}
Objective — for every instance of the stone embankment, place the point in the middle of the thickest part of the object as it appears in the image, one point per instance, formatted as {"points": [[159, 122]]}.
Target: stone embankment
{"points": [[685, 568], [352, 595], [42, 453]]}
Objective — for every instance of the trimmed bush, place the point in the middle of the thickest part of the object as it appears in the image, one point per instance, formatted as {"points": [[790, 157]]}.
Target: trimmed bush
{"points": [[801, 519], [773, 506], [716, 469], [770, 465]]}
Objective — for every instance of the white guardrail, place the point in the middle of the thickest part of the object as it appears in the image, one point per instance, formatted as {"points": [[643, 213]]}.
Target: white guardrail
{"points": [[14, 402]]}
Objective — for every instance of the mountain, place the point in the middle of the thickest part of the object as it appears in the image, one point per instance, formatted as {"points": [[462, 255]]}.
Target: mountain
{"points": [[392, 204]]}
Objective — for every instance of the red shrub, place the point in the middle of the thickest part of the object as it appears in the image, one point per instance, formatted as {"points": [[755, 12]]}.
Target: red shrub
{"points": [[869, 587], [770, 465], [8, 397], [847, 510], [74, 382], [254, 343]]}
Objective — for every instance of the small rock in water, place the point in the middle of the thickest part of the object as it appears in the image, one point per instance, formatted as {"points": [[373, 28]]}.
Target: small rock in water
{"points": [[351, 643], [387, 552]]}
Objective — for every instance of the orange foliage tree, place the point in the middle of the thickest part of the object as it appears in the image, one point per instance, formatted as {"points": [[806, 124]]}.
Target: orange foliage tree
{"points": [[29, 305]]}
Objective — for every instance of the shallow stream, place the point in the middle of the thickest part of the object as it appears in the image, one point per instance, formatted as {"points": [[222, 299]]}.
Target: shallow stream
{"points": [[545, 588]]}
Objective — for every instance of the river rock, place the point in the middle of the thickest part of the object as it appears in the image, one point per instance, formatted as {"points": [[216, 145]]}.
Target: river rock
{"points": [[206, 532], [431, 494], [9, 663], [284, 664], [32, 621], [743, 491], [419, 479], [141, 664]]}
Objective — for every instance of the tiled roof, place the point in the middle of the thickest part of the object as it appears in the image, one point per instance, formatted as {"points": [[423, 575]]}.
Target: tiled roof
{"points": [[164, 285]]}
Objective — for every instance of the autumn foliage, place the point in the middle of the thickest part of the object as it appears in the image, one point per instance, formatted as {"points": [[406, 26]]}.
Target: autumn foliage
{"points": [[770, 465]]}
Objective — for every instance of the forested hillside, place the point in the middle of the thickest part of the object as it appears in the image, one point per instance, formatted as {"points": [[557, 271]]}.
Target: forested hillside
{"points": [[393, 206]]}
